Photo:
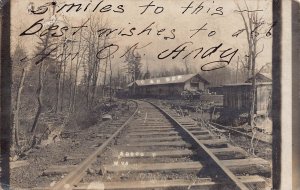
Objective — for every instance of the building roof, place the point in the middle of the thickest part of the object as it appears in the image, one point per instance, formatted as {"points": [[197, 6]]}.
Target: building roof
{"points": [[261, 77], [167, 80], [247, 84]]}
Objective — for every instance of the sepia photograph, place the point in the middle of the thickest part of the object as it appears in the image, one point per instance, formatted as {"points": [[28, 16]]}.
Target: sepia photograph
{"points": [[141, 94]]}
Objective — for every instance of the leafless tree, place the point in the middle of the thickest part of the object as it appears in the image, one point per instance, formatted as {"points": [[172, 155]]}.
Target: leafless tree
{"points": [[18, 55], [45, 44], [252, 23], [39, 92], [80, 55]]}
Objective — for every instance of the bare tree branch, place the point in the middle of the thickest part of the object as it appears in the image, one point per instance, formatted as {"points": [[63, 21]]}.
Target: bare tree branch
{"points": [[262, 49]]}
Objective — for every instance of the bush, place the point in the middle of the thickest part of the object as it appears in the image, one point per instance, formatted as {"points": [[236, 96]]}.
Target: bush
{"points": [[232, 117], [83, 119]]}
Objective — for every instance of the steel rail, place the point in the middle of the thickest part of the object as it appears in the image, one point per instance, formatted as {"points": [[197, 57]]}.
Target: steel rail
{"points": [[237, 184], [239, 132], [76, 175]]}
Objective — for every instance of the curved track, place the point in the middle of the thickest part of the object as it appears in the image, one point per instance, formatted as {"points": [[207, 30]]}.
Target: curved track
{"points": [[156, 149]]}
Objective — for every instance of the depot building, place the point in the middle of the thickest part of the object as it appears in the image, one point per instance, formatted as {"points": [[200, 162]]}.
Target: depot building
{"points": [[171, 86]]}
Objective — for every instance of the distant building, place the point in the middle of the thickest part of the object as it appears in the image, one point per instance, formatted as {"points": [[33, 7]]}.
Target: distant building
{"points": [[238, 97], [171, 86], [261, 77]]}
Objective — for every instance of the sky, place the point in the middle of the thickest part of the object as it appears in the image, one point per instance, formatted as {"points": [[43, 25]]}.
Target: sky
{"points": [[169, 19]]}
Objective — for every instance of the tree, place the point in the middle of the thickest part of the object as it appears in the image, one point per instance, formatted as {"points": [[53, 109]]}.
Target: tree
{"points": [[134, 64], [175, 70], [244, 69], [77, 67], [133, 60], [19, 53], [147, 75], [187, 66], [93, 42], [252, 23], [42, 50], [220, 77], [46, 55], [17, 56]]}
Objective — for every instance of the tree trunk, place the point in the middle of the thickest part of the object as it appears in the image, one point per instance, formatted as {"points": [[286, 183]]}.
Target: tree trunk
{"points": [[40, 91], [76, 74], [18, 102], [58, 84], [88, 93], [110, 77], [94, 81], [96, 73], [253, 95], [89, 74], [74, 92], [70, 78], [40, 103], [75, 85], [63, 80], [104, 79]]}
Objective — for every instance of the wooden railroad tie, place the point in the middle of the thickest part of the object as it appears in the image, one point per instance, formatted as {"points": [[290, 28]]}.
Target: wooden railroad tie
{"points": [[255, 182]]}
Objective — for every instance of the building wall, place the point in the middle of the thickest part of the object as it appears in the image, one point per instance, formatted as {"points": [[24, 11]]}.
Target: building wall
{"points": [[263, 101], [168, 90], [201, 86], [159, 90], [217, 90], [239, 98], [194, 83]]}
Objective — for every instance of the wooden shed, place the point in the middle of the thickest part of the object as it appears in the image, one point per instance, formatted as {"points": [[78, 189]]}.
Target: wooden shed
{"points": [[238, 97], [171, 86]]}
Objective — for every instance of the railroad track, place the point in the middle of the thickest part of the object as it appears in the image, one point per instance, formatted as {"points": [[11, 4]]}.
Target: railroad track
{"points": [[156, 149]]}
